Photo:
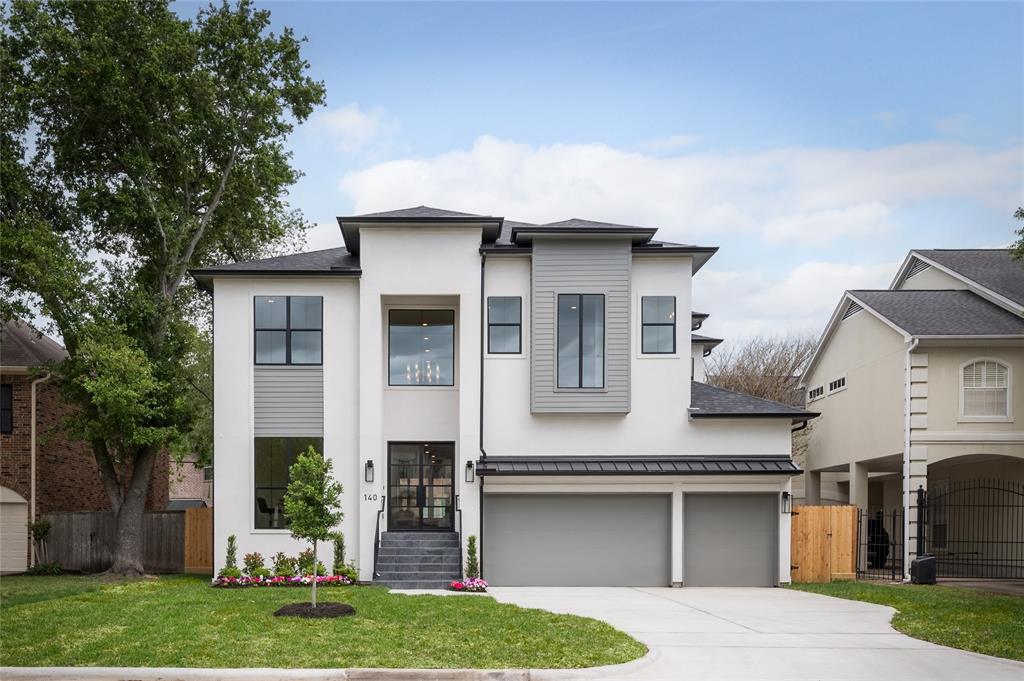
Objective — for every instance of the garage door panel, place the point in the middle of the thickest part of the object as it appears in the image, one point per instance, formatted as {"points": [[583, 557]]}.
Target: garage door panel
{"points": [[577, 539], [730, 539], [13, 537]]}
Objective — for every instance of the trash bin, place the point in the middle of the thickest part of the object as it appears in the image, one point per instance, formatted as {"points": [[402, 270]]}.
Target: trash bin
{"points": [[922, 569]]}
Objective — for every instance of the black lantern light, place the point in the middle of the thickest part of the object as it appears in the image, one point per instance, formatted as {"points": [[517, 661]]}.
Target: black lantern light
{"points": [[787, 502], [368, 471], [470, 472]]}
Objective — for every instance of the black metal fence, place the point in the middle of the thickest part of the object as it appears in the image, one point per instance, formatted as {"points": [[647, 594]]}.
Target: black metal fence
{"points": [[880, 544], [975, 528]]}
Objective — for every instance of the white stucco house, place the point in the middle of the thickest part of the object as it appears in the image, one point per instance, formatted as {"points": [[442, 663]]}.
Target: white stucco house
{"points": [[920, 386], [528, 384]]}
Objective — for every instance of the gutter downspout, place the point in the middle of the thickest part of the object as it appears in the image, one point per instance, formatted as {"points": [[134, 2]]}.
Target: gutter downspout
{"points": [[906, 460], [483, 452], [32, 464]]}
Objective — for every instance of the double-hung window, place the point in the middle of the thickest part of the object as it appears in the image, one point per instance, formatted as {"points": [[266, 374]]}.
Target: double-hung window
{"points": [[504, 325], [421, 347], [6, 408], [580, 340], [289, 329], [985, 385], [658, 325], [274, 458]]}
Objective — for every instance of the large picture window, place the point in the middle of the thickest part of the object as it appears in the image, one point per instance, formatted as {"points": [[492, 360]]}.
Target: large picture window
{"points": [[6, 408], [580, 340], [658, 325], [274, 456], [504, 325], [985, 387], [289, 329], [421, 347]]}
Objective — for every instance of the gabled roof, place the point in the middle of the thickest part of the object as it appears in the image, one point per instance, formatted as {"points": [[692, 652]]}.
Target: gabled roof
{"points": [[22, 346], [328, 262], [992, 270], [350, 225], [709, 401], [523, 234], [926, 313], [416, 212]]}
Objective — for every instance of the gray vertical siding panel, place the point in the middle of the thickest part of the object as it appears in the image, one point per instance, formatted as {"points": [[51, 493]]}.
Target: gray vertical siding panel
{"points": [[288, 400], [575, 266]]}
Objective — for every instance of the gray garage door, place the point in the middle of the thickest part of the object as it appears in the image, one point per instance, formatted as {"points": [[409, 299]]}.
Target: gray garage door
{"points": [[577, 539], [730, 539]]}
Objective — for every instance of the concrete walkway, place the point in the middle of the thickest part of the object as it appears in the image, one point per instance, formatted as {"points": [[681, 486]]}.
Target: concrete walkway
{"points": [[758, 634]]}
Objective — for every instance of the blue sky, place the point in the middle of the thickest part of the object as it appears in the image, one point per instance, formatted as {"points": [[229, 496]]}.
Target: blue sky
{"points": [[814, 143]]}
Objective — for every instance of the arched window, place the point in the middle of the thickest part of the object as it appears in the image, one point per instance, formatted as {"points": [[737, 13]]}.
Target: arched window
{"points": [[985, 390]]}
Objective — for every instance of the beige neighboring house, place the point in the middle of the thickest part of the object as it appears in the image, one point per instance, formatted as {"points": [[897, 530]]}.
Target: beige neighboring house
{"points": [[933, 366]]}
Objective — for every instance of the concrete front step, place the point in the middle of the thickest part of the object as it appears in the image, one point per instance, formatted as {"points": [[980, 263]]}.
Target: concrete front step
{"points": [[419, 551], [419, 543], [418, 559], [401, 534]]}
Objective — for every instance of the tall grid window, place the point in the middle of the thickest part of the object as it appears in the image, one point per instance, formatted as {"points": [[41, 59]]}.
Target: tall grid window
{"points": [[289, 329], [421, 347], [6, 408], [274, 458], [504, 325], [658, 325], [986, 389], [580, 340]]}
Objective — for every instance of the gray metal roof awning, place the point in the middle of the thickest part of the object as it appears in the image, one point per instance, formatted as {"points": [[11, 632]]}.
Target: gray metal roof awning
{"points": [[637, 465]]}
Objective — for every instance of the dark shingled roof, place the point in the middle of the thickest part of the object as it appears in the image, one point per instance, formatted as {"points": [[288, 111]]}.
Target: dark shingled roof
{"points": [[708, 401], [580, 223], [418, 212], [636, 465], [328, 262], [993, 268], [942, 313], [23, 346]]}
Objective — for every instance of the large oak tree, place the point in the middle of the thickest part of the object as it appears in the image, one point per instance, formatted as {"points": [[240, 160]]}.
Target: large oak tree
{"points": [[135, 145]]}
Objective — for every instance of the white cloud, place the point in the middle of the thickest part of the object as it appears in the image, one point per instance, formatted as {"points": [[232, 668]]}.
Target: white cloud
{"points": [[351, 128], [820, 194], [952, 125], [743, 304], [663, 145]]}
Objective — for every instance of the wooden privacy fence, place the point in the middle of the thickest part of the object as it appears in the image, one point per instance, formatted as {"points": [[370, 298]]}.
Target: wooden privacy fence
{"points": [[84, 541], [824, 543], [199, 540]]}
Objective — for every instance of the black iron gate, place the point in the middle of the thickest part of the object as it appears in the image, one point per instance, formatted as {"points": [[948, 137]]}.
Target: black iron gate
{"points": [[880, 544], [975, 528]]}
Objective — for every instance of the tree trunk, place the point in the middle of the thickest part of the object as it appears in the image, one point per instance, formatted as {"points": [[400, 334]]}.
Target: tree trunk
{"points": [[314, 573], [128, 511]]}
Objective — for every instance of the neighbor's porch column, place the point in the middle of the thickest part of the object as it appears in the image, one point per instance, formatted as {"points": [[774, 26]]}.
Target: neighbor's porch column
{"points": [[812, 488], [859, 498]]}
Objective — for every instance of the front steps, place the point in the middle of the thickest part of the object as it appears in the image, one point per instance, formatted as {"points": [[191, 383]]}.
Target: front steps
{"points": [[417, 560]]}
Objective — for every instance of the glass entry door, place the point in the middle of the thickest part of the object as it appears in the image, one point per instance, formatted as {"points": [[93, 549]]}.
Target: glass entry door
{"points": [[421, 487]]}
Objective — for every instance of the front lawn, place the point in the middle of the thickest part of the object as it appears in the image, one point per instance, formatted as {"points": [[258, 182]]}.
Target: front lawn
{"points": [[179, 621], [958, 618]]}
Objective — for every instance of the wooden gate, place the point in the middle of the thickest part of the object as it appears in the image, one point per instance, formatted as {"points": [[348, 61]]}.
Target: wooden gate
{"points": [[824, 543], [199, 540]]}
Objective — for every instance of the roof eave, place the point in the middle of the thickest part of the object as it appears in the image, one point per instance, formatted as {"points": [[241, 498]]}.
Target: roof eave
{"points": [[350, 230], [524, 235], [204, 278], [796, 417]]}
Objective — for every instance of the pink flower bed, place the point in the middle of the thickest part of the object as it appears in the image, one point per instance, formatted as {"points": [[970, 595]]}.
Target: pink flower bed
{"points": [[473, 584], [238, 582]]}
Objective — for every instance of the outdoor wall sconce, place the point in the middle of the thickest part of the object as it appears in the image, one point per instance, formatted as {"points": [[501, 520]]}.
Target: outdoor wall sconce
{"points": [[368, 471], [787, 503], [470, 472]]}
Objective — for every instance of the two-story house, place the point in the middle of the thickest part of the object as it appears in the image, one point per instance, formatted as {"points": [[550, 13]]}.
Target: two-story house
{"points": [[919, 386], [528, 384]]}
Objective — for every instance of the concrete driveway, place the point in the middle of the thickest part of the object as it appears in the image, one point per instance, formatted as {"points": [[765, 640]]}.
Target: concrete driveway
{"points": [[758, 634]]}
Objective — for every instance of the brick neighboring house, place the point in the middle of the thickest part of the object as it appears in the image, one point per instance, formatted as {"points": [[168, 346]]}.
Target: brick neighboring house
{"points": [[66, 477], [191, 484]]}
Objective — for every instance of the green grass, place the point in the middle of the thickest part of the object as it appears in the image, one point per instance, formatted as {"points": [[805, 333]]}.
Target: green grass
{"points": [[959, 618], [180, 621]]}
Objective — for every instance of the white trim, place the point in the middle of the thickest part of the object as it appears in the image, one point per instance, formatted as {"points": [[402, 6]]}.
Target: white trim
{"points": [[1008, 417], [969, 437], [841, 388], [816, 397]]}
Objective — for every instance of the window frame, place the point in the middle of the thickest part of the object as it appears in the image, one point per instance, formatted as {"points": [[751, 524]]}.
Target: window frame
{"points": [[519, 349], [1005, 418], [673, 323], [455, 347], [829, 390], [284, 529], [579, 359], [287, 333], [814, 398], [7, 388]]}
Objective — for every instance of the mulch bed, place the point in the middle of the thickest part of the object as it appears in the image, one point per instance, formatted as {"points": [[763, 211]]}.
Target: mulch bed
{"points": [[322, 610]]}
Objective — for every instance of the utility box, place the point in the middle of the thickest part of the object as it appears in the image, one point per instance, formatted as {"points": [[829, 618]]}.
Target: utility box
{"points": [[922, 569]]}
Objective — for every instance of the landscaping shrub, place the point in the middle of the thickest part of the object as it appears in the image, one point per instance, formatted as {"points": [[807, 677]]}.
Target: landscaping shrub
{"points": [[225, 581], [230, 568], [470, 584], [284, 566], [339, 550], [305, 564], [46, 569], [253, 562], [40, 530], [472, 563]]}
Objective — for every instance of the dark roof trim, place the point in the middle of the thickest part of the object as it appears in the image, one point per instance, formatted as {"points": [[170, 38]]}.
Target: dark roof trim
{"points": [[204, 277], [350, 230], [796, 416], [635, 465], [521, 235]]}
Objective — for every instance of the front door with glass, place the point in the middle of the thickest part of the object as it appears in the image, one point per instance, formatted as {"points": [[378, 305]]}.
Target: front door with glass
{"points": [[420, 485]]}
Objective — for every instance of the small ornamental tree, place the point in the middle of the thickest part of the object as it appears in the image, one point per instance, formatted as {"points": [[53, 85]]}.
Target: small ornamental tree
{"points": [[472, 563], [312, 503]]}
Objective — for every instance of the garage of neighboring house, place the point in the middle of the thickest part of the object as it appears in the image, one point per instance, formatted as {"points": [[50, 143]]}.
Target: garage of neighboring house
{"points": [[578, 539], [13, 532]]}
